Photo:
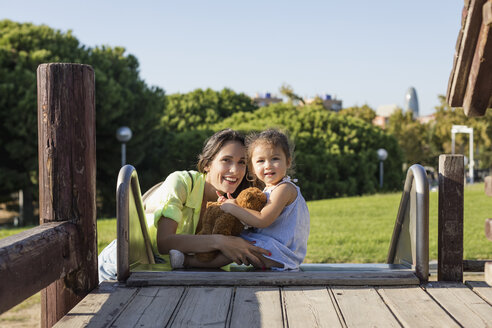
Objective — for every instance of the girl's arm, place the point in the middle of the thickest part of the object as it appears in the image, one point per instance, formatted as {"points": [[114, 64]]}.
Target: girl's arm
{"points": [[282, 196], [235, 248]]}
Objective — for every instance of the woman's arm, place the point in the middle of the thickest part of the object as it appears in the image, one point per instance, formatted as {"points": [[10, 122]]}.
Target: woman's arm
{"points": [[282, 196], [235, 248]]}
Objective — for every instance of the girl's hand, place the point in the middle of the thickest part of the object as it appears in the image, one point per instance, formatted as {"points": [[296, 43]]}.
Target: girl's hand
{"points": [[241, 251], [221, 198]]}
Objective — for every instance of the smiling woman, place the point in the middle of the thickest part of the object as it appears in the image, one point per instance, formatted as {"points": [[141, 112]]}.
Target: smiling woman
{"points": [[179, 203]]}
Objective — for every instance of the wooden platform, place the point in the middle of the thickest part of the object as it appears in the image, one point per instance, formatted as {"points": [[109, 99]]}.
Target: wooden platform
{"points": [[310, 275], [432, 305]]}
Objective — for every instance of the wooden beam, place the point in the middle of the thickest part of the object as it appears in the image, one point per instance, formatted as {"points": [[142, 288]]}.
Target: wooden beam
{"points": [[478, 96], [67, 175], [473, 265], [488, 229], [488, 273], [450, 218], [488, 185], [465, 48], [32, 259], [272, 278]]}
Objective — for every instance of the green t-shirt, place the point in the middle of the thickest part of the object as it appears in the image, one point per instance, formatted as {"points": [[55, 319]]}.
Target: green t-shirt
{"points": [[178, 198]]}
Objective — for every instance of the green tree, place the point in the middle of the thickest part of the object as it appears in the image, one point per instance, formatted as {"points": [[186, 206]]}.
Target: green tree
{"points": [[292, 97], [22, 48], [122, 98], [365, 113], [203, 108], [335, 155], [414, 138]]}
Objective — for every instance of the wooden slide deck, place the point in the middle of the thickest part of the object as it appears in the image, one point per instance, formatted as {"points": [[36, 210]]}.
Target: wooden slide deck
{"points": [[113, 304]]}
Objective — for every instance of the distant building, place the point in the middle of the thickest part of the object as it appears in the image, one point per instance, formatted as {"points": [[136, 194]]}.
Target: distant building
{"points": [[426, 119], [412, 102], [383, 113], [329, 103], [266, 99]]}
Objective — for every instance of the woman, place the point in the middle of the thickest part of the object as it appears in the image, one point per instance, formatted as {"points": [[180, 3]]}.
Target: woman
{"points": [[179, 203]]}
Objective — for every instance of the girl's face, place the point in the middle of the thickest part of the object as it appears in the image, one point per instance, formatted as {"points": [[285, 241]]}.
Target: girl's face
{"points": [[269, 163], [226, 171]]}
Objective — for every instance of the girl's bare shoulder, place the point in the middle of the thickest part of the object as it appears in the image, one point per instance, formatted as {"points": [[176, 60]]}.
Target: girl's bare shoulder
{"points": [[285, 191]]}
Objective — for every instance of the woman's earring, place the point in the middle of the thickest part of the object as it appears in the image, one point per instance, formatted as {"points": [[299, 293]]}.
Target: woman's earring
{"points": [[250, 178]]}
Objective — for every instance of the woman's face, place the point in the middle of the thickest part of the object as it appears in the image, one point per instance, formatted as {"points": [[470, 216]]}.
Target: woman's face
{"points": [[226, 171]]}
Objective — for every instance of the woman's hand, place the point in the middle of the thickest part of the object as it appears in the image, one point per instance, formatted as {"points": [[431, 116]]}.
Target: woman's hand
{"points": [[241, 251]]}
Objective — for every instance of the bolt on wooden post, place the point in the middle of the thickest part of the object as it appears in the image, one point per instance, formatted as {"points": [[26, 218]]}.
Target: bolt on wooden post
{"points": [[450, 218], [67, 176]]}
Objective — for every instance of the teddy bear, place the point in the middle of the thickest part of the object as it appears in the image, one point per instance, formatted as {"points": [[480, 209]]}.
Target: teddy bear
{"points": [[216, 221]]}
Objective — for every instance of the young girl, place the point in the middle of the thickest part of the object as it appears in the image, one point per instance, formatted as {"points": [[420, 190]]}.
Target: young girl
{"points": [[283, 224]]}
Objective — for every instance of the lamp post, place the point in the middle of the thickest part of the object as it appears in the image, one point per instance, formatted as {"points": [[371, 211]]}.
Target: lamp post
{"points": [[464, 129], [382, 155], [123, 134]]}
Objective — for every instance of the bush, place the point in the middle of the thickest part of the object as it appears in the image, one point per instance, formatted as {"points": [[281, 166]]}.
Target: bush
{"points": [[335, 155]]}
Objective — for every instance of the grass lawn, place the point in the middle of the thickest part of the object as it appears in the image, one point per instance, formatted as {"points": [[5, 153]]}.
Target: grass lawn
{"points": [[358, 229]]}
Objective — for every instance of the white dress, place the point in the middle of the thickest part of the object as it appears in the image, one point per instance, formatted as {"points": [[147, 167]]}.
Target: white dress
{"points": [[286, 238]]}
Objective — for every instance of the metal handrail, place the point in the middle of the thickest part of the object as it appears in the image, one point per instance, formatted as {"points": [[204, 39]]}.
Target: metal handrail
{"points": [[129, 204], [413, 219]]}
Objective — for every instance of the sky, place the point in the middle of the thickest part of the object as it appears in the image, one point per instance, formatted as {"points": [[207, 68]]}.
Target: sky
{"points": [[359, 51]]}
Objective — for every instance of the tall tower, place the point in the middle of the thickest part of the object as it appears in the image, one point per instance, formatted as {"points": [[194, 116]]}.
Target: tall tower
{"points": [[411, 102]]}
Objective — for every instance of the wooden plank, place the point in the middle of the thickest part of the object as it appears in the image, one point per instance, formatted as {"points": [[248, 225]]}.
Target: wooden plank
{"points": [[363, 307], [473, 265], [309, 307], [478, 95], [488, 185], [151, 307], [462, 303], [481, 289], [488, 273], [413, 307], [50, 247], [203, 306], [67, 175], [100, 308], [465, 49], [314, 278], [160, 310], [487, 13], [488, 229], [257, 307], [450, 218]]}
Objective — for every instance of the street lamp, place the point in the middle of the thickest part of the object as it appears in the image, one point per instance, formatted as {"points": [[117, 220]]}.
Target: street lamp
{"points": [[382, 155], [464, 129], [123, 134]]}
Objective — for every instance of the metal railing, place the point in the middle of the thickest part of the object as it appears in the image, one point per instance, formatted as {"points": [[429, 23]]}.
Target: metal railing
{"points": [[134, 246], [409, 244], [410, 241]]}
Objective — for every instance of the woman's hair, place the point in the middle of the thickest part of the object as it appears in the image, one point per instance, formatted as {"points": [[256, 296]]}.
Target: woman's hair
{"points": [[275, 138], [213, 145]]}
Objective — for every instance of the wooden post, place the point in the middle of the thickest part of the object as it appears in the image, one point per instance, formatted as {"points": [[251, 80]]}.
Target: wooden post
{"points": [[488, 185], [478, 95], [450, 218], [67, 176]]}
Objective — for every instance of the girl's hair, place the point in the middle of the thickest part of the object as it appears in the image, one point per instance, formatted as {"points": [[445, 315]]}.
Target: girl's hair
{"points": [[213, 145], [274, 138]]}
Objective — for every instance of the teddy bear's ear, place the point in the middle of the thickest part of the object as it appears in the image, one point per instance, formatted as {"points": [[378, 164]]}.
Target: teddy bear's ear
{"points": [[211, 203]]}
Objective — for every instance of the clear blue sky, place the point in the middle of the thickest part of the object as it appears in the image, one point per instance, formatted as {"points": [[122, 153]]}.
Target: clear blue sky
{"points": [[364, 52]]}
